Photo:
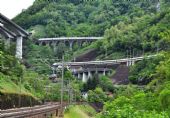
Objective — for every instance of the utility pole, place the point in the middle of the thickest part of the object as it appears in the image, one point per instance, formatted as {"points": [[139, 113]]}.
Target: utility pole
{"points": [[62, 85], [69, 92], [127, 58], [130, 56]]}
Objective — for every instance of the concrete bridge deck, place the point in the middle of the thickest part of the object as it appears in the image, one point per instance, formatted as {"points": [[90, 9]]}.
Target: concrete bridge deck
{"points": [[69, 38], [85, 70], [12, 32], [75, 71], [129, 61], [68, 41]]}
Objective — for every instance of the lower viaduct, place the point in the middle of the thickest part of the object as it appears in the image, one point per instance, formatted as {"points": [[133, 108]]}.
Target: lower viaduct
{"points": [[85, 70]]}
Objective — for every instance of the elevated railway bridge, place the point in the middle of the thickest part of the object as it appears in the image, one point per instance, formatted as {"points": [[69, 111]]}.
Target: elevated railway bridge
{"points": [[85, 70], [68, 41]]}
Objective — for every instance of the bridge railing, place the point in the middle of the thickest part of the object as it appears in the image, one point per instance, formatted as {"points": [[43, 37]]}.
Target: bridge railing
{"points": [[70, 38], [117, 61]]}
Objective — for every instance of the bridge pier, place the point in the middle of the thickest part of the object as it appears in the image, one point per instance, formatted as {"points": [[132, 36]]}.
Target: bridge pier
{"points": [[78, 75], [133, 62], [130, 62], [104, 72], [54, 46], [79, 43], [127, 63], [71, 44], [84, 79], [89, 74], [40, 43], [19, 47], [47, 43], [11, 31]]}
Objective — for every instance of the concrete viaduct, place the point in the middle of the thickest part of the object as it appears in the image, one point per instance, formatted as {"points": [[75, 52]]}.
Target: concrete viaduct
{"points": [[9, 31], [68, 41], [85, 73], [85, 70]]}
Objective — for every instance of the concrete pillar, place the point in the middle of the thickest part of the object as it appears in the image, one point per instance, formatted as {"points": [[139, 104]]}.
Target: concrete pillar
{"points": [[79, 76], [47, 43], [19, 47], [53, 69], [80, 44], [64, 41], [84, 79], [133, 62], [96, 72], [89, 74], [54, 46], [57, 43], [104, 72], [71, 45], [40, 43], [127, 63], [130, 62]]}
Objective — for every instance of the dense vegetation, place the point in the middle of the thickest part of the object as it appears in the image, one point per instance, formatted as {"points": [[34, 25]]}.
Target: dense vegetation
{"points": [[147, 101], [75, 18], [129, 28], [89, 18], [15, 79]]}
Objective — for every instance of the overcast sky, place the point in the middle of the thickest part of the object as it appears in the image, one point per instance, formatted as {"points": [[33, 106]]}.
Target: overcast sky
{"points": [[10, 8]]}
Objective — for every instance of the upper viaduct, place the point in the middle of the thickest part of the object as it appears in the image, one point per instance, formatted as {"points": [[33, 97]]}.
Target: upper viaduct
{"points": [[69, 41]]}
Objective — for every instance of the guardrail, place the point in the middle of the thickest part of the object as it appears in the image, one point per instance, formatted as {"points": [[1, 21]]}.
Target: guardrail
{"points": [[103, 62]]}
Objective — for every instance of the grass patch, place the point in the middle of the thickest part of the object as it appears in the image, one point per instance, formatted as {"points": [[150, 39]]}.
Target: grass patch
{"points": [[9, 87], [80, 111]]}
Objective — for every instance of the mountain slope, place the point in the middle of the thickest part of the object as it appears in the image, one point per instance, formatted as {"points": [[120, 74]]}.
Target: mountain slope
{"points": [[81, 18]]}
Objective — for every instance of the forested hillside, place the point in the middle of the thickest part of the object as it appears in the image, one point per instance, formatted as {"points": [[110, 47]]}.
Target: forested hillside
{"points": [[80, 18], [122, 23], [18, 83], [128, 27], [12, 72]]}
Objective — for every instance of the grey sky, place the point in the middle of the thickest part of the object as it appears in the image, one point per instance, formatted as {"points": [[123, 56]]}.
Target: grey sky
{"points": [[10, 8]]}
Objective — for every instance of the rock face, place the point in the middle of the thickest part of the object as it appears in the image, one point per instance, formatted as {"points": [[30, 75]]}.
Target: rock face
{"points": [[121, 75], [89, 56]]}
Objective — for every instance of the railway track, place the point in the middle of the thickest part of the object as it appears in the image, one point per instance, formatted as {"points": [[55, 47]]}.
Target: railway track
{"points": [[29, 111]]}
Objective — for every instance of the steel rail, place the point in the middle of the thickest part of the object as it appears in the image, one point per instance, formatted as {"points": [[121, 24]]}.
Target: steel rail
{"points": [[29, 111]]}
